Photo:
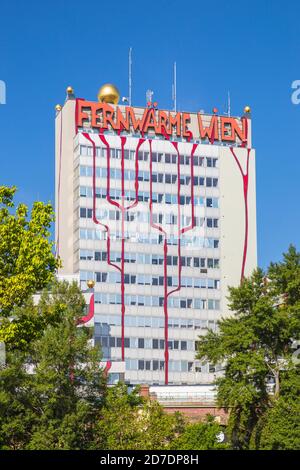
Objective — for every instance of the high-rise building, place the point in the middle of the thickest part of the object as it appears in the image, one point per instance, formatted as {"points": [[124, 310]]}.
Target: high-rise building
{"points": [[158, 208]]}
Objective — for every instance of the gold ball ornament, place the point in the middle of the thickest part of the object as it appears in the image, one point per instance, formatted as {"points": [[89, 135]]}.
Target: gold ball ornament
{"points": [[58, 108], [70, 90], [90, 283], [109, 93], [247, 109]]}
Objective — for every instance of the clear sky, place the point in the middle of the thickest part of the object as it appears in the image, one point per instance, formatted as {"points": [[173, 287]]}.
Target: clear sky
{"points": [[249, 48]]}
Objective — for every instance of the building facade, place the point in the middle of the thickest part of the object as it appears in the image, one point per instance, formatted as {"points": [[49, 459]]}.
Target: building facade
{"points": [[158, 208]]}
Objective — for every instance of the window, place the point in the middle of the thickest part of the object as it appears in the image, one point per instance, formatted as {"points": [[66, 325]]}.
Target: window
{"points": [[141, 365], [141, 343]]}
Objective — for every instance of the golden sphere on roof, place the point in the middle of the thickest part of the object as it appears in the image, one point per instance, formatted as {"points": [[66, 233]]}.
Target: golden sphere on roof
{"points": [[108, 93], [90, 283], [58, 108], [247, 109], [70, 90]]}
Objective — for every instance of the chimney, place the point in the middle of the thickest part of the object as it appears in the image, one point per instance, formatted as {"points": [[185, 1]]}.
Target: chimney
{"points": [[144, 390]]}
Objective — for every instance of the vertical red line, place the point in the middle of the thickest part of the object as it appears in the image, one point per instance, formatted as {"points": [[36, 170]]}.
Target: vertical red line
{"points": [[123, 140], [245, 179], [123, 209], [180, 232]]}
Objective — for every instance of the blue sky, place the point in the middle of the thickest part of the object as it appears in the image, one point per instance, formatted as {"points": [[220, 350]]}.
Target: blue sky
{"points": [[249, 48]]}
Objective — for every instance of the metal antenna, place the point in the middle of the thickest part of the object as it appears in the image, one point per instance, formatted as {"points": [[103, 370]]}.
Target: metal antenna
{"points": [[228, 104], [174, 91], [149, 94], [130, 75]]}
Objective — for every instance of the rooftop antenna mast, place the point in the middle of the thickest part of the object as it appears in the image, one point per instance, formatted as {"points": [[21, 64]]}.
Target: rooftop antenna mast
{"points": [[228, 104], [174, 86], [130, 75]]}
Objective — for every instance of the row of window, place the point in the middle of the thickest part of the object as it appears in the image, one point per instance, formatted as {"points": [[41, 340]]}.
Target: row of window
{"points": [[144, 217], [158, 157], [156, 301], [140, 321], [167, 178], [144, 196], [150, 239], [148, 280], [173, 366], [145, 343], [145, 258]]}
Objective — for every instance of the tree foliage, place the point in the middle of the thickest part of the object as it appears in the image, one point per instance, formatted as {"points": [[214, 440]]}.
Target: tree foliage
{"points": [[255, 344], [52, 393], [130, 422], [200, 436], [27, 263], [279, 427]]}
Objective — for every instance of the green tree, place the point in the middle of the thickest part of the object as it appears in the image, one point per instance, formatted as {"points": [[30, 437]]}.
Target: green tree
{"points": [[279, 428], [29, 321], [130, 422], [255, 344], [51, 395], [200, 436], [27, 263]]}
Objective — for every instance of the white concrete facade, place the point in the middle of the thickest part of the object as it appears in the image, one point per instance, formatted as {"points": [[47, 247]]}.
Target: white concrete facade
{"points": [[214, 253]]}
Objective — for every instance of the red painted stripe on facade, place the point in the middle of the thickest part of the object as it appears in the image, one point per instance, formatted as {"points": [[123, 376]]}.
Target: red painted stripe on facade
{"points": [[123, 209], [91, 311], [180, 232], [245, 178]]}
